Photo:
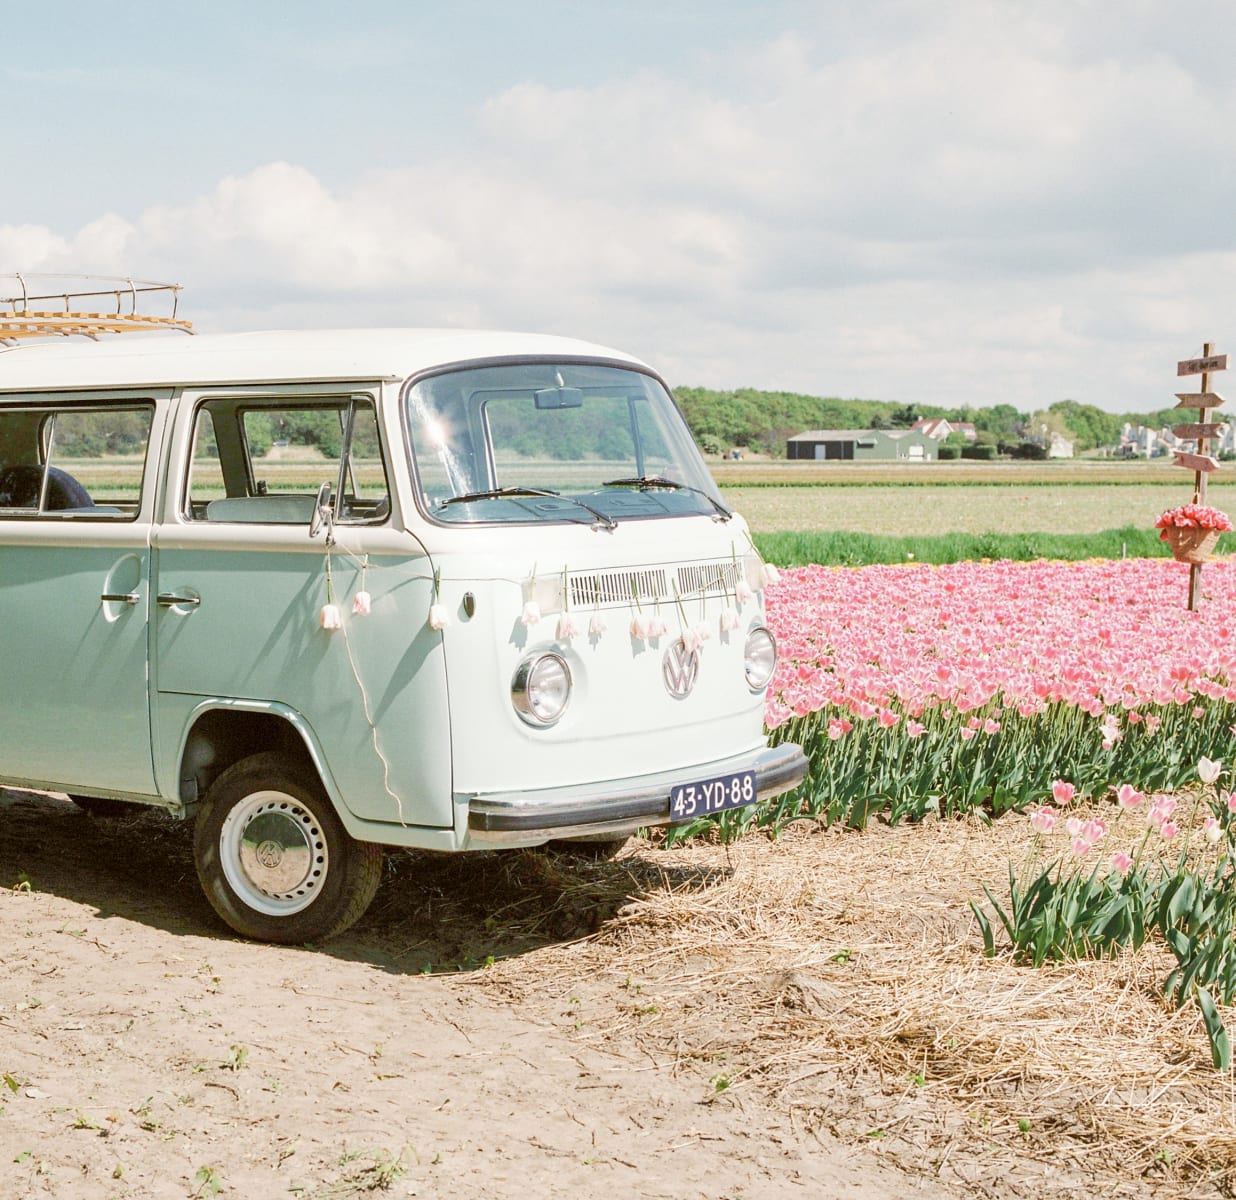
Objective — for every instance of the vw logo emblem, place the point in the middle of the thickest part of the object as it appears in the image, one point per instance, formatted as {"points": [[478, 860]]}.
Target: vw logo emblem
{"points": [[269, 854], [680, 668]]}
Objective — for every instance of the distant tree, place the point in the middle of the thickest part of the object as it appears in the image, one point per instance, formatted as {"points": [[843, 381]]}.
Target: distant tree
{"points": [[903, 418], [1089, 427], [999, 419]]}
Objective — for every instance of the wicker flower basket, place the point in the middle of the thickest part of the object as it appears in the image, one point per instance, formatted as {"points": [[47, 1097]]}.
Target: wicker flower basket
{"points": [[1189, 544]]}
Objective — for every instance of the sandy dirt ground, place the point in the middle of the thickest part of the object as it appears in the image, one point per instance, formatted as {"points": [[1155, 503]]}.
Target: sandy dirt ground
{"points": [[146, 1052], [807, 1016]]}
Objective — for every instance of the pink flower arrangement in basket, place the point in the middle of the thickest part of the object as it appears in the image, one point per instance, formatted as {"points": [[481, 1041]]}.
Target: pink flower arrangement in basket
{"points": [[1194, 516], [1192, 531]]}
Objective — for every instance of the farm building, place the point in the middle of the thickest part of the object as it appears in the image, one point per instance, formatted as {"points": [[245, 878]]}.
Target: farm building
{"points": [[862, 445]]}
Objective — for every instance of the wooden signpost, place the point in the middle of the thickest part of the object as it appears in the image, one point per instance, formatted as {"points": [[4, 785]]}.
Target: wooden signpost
{"points": [[1201, 463]]}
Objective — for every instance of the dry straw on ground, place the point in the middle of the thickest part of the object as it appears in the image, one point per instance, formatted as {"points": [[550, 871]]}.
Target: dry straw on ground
{"points": [[840, 976]]}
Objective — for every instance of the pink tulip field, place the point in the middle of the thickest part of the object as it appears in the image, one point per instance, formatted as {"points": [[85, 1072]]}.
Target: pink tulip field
{"points": [[1086, 692], [919, 689]]}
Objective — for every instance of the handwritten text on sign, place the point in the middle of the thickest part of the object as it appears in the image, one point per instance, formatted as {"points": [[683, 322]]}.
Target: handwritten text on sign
{"points": [[1211, 429], [1195, 462], [1195, 366], [1198, 399]]}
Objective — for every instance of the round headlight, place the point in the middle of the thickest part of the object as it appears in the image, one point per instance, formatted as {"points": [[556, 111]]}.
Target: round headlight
{"points": [[759, 658], [541, 688]]}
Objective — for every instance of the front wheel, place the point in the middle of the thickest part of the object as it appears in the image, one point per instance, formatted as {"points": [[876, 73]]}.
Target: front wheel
{"points": [[274, 859]]}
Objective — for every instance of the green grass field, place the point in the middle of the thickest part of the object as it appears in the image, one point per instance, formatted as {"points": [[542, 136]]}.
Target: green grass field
{"points": [[926, 510], [888, 513]]}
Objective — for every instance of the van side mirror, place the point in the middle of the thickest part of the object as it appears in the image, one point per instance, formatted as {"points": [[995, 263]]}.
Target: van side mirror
{"points": [[323, 514]]}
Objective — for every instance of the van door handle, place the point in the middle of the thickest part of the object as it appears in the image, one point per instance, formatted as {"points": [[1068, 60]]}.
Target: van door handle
{"points": [[120, 597], [169, 600]]}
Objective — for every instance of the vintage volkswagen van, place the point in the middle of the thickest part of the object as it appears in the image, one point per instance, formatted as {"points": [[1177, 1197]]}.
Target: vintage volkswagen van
{"points": [[329, 591]]}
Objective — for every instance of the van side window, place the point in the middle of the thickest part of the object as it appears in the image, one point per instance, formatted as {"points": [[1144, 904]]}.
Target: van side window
{"points": [[73, 463], [263, 462]]}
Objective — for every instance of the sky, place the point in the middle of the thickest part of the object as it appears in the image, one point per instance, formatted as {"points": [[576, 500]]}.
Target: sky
{"points": [[952, 202]]}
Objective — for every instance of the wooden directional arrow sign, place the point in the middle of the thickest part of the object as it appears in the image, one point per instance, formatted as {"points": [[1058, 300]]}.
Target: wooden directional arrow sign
{"points": [[1210, 430], [1195, 462], [1199, 399], [1195, 366]]}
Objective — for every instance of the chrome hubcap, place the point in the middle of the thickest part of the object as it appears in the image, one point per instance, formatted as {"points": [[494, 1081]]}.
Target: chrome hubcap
{"points": [[273, 853]]}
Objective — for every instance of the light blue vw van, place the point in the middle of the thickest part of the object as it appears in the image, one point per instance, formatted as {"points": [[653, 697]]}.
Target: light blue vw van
{"points": [[333, 591]]}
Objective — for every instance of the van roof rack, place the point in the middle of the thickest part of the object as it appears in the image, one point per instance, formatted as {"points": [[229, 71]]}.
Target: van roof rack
{"points": [[29, 301]]}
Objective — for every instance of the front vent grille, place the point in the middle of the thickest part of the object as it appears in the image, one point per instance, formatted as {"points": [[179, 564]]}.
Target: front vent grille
{"points": [[701, 579], [596, 588]]}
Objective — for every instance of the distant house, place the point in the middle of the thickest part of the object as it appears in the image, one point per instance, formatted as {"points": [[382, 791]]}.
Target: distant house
{"points": [[1059, 446], [1139, 441], [842, 445], [940, 427]]}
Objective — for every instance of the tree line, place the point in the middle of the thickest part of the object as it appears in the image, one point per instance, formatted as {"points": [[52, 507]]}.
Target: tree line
{"points": [[751, 419]]}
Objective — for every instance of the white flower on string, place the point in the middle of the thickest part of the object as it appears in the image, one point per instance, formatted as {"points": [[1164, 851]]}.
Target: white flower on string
{"points": [[531, 614], [703, 631], [640, 624], [597, 626], [362, 603], [330, 618], [771, 575], [742, 592], [439, 618], [567, 629], [730, 619]]}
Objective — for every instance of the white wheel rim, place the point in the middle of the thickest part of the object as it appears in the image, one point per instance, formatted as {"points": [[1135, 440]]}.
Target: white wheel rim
{"points": [[273, 853]]}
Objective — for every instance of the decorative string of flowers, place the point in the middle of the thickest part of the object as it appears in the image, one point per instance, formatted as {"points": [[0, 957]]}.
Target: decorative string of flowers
{"points": [[644, 626], [439, 618]]}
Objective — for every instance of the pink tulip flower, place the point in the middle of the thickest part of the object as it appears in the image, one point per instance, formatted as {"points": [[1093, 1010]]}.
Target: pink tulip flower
{"points": [[1043, 819]]}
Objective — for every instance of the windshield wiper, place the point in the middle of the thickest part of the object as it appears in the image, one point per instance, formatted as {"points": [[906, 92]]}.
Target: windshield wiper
{"points": [[644, 482], [515, 492]]}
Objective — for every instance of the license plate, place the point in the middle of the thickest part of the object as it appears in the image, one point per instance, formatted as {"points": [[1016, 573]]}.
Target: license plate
{"points": [[708, 796]]}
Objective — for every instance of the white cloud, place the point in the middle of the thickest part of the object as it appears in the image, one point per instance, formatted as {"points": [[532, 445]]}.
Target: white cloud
{"points": [[985, 206]]}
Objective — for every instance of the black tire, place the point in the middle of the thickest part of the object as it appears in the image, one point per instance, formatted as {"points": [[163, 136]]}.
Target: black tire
{"points": [[274, 859], [593, 849], [104, 806]]}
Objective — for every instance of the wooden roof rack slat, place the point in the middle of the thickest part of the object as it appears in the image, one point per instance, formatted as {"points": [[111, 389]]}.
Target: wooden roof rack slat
{"points": [[74, 319]]}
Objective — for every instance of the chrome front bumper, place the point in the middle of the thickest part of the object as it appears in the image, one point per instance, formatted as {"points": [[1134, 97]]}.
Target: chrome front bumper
{"points": [[622, 806]]}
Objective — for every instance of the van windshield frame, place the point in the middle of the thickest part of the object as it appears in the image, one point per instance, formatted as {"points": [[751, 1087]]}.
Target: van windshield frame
{"points": [[532, 441]]}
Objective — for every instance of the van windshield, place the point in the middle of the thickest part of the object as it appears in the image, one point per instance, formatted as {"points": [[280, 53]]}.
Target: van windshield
{"points": [[558, 441]]}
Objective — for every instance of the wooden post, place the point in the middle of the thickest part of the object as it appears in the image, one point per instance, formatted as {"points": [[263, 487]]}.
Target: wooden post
{"points": [[1199, 492], [1202, 431]]}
